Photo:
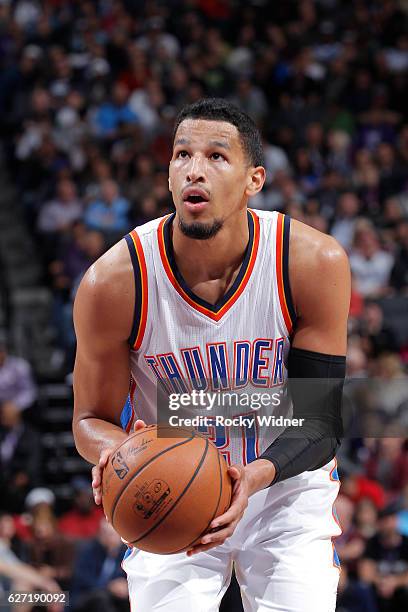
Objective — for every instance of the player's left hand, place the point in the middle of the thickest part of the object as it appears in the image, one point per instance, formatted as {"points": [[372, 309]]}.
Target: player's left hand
{"points": [[226, 523]]}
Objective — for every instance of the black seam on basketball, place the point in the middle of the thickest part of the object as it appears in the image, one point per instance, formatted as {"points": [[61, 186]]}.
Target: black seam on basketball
{"points": [[142, 468], [211, 519], [198, 468]]}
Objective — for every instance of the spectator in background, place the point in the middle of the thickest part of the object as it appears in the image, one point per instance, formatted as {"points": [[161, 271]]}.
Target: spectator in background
{"points": [[399, 273], [83, 521], [387, 464], [385, 564], [343, 228], [377, 336], [113, 118], [20, 457], [59, 214], [15, 574], [370, 264], [354, 595], [16, 379], [99, 584], [110, 214], [48, 551]]}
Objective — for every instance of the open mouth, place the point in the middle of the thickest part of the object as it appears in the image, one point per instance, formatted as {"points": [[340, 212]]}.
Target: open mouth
{"points": [[195, 199]]}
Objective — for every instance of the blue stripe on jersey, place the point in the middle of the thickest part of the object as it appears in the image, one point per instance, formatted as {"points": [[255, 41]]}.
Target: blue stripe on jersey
{"points": [[335, 474], [126, 413], [336, 559]]}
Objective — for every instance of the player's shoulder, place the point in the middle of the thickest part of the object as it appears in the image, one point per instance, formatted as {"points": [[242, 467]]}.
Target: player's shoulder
{"points": [[314, 250]]}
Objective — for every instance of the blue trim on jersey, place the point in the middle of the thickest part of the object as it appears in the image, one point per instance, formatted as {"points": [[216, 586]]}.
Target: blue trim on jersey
{"points": [[335, 475], [126, 413], [336, 558], [127, 553], [285, 269]]}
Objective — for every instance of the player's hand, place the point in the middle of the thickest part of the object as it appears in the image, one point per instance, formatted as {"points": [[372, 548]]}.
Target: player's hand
{"points": [[226, 523], [97, 475], [103, 460], [139, 424]]}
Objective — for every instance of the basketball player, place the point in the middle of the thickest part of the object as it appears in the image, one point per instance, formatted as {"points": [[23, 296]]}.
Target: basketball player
{"points": [[218, 288]]}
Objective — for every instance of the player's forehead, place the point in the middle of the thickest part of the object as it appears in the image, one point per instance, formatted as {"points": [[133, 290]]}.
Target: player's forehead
{"points": [[203, 132]]}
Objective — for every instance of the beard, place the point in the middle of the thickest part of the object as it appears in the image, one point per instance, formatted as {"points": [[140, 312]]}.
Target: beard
{"points": [[200, 231]]}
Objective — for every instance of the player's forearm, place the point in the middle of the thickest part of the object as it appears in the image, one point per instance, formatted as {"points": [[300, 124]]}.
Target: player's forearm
{"points": [[260, 474], [93, 435]]}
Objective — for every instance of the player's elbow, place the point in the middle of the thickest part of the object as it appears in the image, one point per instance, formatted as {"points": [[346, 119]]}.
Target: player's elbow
{"points": [[80, 436]]}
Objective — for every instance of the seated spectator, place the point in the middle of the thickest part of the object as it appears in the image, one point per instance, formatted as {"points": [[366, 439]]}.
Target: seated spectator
{"points": [[399, 273], [365, 518], [378, 337], [385, 564], [48, 550], [356, 486], [99, 583], [370, 264], [16, 380], [20, 457], [15, 575], [112, 117], [59, 214], [354, 595], [347, 209], [109, 214], [83, 521], [388, 464]]}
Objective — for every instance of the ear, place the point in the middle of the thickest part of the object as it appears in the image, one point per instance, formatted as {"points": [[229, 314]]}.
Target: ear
{"points": [[255, 180], [169, 184]]}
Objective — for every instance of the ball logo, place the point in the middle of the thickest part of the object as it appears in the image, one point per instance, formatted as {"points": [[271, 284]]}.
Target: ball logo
{"points": [[119, 465], [150, 497]]}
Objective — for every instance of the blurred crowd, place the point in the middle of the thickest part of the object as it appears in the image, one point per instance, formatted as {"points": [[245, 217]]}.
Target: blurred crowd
{"points": [[88, 95]]}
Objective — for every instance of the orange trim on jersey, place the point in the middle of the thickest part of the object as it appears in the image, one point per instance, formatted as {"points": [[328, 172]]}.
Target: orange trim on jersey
{"points": [[279, 273], [143, 273], [215, 316]]}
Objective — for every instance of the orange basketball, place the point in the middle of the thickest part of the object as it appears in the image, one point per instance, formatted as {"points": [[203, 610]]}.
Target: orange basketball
{"points": [[162, 492]]}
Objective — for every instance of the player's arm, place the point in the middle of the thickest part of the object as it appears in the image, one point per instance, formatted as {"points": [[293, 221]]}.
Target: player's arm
{"points": [[103, 314], [320, 281]]}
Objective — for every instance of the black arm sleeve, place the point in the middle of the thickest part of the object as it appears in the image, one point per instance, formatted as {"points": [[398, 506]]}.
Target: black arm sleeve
{"points": [[316, 385]]}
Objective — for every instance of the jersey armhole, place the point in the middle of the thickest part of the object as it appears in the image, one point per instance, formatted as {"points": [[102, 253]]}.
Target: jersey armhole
{"points": [[282, 272], [141, 290]]}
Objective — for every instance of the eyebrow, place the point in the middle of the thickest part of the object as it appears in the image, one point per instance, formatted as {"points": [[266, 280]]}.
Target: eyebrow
{"points": [[212, 143], [220, 143]]}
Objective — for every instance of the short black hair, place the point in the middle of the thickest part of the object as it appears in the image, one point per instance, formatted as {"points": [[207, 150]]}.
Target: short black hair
{"points": [[218, 109]]}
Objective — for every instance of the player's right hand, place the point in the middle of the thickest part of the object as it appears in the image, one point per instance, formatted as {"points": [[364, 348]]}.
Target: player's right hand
{"points": [[103, 460]]}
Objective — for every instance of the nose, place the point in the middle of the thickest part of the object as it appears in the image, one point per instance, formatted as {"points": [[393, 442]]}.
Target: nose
{"points": [[195, 171]]}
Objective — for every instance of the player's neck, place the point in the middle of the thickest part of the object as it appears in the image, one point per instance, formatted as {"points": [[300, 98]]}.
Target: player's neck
{"points": [[215, 260]]}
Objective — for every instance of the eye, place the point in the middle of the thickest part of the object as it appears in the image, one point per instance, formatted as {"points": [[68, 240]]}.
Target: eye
{"points": [[216, 156], [182, 154]]}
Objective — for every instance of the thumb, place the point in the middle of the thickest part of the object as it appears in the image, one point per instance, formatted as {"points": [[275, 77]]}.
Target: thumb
{"points": [[234, 472], [139, 424]]}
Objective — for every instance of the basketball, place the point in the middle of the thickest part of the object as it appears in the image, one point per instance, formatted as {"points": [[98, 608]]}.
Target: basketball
{"points": [[162, 489]]}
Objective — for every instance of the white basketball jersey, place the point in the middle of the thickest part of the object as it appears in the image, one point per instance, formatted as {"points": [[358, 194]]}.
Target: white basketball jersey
{"points": [[238, 345]]}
